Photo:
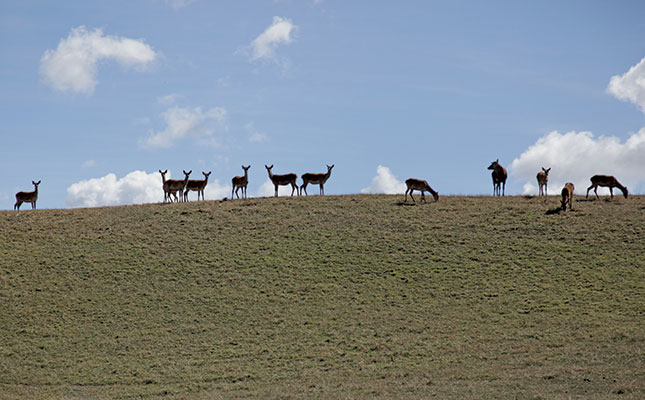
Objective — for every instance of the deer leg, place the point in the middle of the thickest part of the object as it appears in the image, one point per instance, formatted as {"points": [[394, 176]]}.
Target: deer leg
{"points": [[595, 190], [276, 190], [423, 196], [611, 191], [304, 187], [322, 189], [412, 190], [503, 187]]}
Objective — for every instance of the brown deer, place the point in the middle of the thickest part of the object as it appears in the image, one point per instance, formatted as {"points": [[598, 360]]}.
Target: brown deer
{"points": [[605, 181], [283, 180], [499, 177], [567, 196], [197, 185], [240, 182], [315, 179], [422, 186], [543, 180], [172, 186], [27, 197]]}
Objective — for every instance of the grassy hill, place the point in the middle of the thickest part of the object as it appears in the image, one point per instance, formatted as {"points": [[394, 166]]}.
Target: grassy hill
{"points": [[325, 297]]}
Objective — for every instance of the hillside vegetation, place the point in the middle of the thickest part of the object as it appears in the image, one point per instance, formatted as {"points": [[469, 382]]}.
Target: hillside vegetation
{"points": [[354, 296]]}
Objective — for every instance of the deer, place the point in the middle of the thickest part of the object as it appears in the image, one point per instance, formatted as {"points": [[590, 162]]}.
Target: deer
{"points": [[172, 186], [567, 196], [315, 179], [241, 182], [606, 181], [197, 185], [499, 177], [283, 180], [27, 197], [422, 186], [543, 180]]}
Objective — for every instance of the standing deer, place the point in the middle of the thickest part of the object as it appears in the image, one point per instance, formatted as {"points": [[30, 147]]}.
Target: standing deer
{"points": [[422, 186], [315, 179], [27, 197], [172, 186], [606, 181], [499, 177], [567, 195], [543, 180], [197, 185], [241, 182], [283, 180]]}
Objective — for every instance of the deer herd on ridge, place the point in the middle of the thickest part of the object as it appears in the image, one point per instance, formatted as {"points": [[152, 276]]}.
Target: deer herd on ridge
{"points": [[183, 186]]}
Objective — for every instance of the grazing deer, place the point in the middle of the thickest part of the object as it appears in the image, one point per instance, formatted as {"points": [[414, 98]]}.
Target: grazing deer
{"points": [[283, 180], [421, 185], [27, 197], [315, 179], [240, 182], [172, 186], [197, 185], [567, 195], [605, 181], [543, 180], [499, 177]]}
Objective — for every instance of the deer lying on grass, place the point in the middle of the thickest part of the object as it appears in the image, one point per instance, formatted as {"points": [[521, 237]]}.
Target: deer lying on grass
{"points": [[567, 195], [27, 197], [422, 186], [172, 186], [499, 177], [605, 181], [543, 180], [240, 182], [315, 179], [197, 185], [283, 180]]}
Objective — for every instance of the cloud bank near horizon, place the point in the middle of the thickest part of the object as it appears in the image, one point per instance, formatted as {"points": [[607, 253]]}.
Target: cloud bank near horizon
{"points": [[577, 156], [384, 182], [137, 187]]}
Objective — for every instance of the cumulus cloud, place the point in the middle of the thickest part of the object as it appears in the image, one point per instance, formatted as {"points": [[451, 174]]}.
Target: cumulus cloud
{"points": [[385, 182], [186, 123], [630, 86], [577, 156], [280, 32], [137, 187], [267, 189], [73, 65]]}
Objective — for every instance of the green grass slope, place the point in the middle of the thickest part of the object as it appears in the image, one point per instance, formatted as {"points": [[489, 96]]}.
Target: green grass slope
{"points": [[352, 296]]}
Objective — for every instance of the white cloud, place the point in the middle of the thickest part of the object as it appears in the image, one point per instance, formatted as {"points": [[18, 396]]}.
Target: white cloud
{"points": [[267, 189], [73, 65], [89, 164], [136, 187], [280, 32], [577, 156], [184, 123], [385, 182], [630, 86]]}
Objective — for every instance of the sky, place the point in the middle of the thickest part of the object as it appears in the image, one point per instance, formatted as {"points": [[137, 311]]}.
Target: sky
{"points": [[97, 97]]}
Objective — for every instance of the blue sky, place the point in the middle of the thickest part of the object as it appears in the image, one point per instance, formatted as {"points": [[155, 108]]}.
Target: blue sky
{"points": [[96, 97]]}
